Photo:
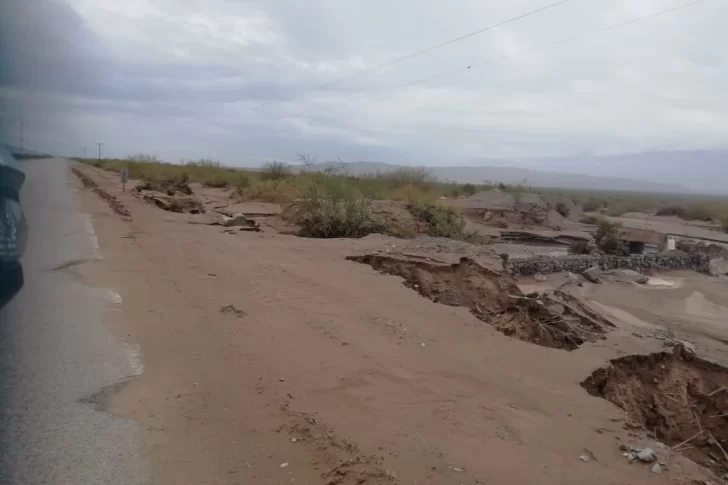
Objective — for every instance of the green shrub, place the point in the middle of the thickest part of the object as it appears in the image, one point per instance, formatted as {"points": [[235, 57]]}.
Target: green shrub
{"points": [[608, 238], [590, 220], [469, 189], [698, 212], [275, 191], [442, 221], [592, 204], [216, 182], [332, 208], [580, 247], [671, 210], [724, 223], [275, 171], [563, 209], [143, 157]]}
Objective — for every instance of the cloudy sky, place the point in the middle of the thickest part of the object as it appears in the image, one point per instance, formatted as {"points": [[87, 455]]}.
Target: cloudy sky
{"points": [[244, 81]]}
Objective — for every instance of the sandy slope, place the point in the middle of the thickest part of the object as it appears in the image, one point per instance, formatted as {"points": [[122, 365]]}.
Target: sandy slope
{"points": [[332, 361]]}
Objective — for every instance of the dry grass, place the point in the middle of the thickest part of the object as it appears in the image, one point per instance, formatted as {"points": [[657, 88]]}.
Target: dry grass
{"points": [[278, 182]]}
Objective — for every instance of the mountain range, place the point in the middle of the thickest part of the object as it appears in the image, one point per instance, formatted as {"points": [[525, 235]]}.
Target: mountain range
{"points": [[516, 175]]}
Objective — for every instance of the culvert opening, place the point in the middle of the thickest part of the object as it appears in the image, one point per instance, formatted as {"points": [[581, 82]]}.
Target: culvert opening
{"points": [[676, 395], [555, 320]]}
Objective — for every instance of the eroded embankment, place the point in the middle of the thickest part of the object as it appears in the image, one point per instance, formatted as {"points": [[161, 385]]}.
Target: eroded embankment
{"points": [[678, 396], [554, 320]]}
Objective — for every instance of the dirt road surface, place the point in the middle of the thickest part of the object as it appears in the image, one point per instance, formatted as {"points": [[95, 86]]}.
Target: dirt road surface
{"points": [[271, 359]]}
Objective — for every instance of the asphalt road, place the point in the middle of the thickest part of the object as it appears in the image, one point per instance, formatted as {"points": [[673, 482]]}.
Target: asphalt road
{"points": [[58, 358]]}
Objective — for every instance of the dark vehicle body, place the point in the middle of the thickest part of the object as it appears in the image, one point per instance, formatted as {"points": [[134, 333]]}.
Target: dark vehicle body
{"points": [[13, 228]]}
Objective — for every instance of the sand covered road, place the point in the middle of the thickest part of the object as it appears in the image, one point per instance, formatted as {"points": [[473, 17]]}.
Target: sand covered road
{"points": [[272, 359]]}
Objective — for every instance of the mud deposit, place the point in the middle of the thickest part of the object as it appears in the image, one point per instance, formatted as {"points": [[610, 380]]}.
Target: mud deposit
{"points": [[115, 204], [344, 463], [680, 397], [551, 320]]}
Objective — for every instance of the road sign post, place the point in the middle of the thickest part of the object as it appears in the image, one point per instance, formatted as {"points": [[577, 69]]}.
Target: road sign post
{"points": [[124, 174]]}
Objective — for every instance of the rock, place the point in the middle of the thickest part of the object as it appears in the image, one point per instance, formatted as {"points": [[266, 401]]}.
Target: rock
{"points": [[656, 468], [283, 465], [584, 458], [593, 274], [626, 276], [646, 455], [540, 278], [718, 266], [238, 220]]}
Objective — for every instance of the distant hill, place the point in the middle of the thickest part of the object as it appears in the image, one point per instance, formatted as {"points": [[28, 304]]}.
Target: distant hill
{"points": [[698, 170], [516, 175]]}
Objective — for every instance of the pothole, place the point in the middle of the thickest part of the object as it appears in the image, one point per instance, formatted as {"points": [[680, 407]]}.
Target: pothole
{"points": [[555, 320], [678, 396]]}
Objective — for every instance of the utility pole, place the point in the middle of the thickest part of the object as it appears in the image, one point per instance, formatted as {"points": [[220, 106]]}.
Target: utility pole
{"points": [[99, 144]]}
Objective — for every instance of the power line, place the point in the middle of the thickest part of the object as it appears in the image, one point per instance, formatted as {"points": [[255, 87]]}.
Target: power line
{"points": [[534, 48], [425, 50], [438, 46]]}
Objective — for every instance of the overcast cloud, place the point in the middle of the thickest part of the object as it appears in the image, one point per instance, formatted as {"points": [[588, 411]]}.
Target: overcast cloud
{"points": [[240, 81]]}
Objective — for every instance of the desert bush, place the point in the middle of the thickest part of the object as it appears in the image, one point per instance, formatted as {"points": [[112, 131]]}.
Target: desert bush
{"points": [[275, 171], [608, 238], [216, 181], [617, 209], [580, 247], [698, 212], [275, 191], [333, 209], [671, 210], [240, 180], [592, 204], [563, 209], [143, 157], [469, 189], [590, 220], [202, 162], [442, 221], [411, 194]]}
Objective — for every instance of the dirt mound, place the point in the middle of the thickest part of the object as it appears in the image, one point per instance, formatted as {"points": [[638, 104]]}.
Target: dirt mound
{"points": [[115, 204], [396, 219], [522, 210], [343, 462], [678, 396], [553, 320]]}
